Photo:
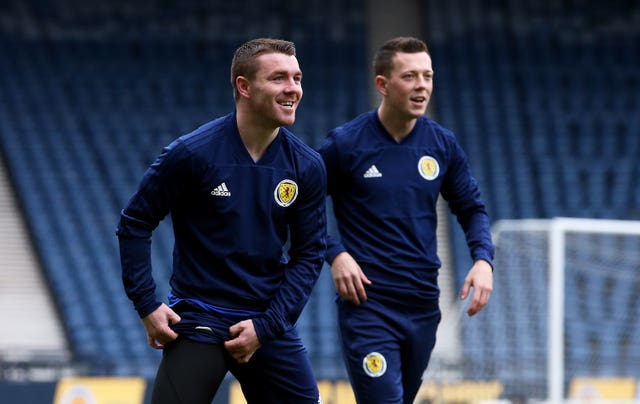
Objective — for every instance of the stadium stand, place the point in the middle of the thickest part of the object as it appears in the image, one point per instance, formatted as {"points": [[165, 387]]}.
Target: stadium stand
{"points": [[90, 93], [544, 96]]}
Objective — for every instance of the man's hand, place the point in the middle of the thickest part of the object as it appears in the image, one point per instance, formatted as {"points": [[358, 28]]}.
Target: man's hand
{"points": [[480, 278], [244, 341], [157, 326], [349, 278]]}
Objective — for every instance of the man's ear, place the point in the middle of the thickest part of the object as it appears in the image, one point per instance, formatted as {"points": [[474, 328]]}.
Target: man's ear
{"points": [[381, 84], [242, 85]]}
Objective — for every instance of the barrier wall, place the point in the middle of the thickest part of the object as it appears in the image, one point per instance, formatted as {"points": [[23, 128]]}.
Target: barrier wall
{"points": [[104, 390]]}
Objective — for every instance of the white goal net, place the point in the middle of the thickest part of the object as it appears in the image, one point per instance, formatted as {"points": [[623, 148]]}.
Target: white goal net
{"points": [[563, 321]]}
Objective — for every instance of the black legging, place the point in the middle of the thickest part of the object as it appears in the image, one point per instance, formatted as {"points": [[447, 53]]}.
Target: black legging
{"points": [[190, 373]]}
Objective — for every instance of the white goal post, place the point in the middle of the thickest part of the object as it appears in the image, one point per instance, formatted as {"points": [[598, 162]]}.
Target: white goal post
{"points": [[604, 253]]}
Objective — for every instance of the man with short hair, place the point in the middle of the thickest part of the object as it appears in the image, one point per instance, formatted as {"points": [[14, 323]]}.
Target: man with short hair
{"points": [[239, 189], [385, 172]]}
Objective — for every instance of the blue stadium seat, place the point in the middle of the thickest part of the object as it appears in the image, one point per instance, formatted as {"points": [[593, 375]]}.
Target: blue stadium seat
{"points": [[548, 139], [83, 118]]}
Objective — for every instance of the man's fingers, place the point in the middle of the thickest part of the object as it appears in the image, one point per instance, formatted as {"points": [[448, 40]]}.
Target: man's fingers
{"points": [[350, 294], [345, 289], [235, 330], [349, 279], [479, 300], [174, 318], [243, 358], [172, 334], [237, 350], [154, 343], [361, 294], [354, 292], [465, 289], [342, 288]]}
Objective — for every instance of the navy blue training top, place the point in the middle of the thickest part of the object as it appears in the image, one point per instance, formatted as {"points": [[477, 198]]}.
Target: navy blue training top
{"points": [[384, 196], [232, 218]]}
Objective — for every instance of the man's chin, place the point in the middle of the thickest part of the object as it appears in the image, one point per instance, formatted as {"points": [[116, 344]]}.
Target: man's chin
{"points": [[418, 112], [288, 121]]}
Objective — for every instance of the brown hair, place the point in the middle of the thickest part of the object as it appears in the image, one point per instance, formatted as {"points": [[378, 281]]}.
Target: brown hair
{"points": [[243, 62], [383, 60]]}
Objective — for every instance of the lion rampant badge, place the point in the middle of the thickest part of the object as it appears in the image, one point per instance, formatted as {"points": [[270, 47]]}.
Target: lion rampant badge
{"points": [[285, 193]]}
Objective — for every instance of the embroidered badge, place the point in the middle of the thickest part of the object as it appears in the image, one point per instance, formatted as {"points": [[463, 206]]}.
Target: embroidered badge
{"points": [[374, 364], [428, 168], [285, 193]]}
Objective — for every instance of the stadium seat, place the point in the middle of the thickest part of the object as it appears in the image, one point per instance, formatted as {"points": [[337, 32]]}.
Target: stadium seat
{"points": [[548, 139], [83, 117]]}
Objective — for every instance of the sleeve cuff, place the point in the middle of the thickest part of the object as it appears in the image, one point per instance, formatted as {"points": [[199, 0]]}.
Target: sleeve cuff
{"points": [[146, 308], [266, 329], [486, 258], [332, 252]]}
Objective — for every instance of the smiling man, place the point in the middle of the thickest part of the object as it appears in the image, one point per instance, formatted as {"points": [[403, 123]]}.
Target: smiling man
{"points": [[237, 189], [385, 171]]}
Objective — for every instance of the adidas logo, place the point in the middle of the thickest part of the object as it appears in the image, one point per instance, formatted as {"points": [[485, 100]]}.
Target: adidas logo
{"points": [[221, 190], [372, 172]]}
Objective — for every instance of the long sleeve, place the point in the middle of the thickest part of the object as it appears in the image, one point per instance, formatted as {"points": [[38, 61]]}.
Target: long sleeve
{"points": [[463, 194], [149, 205]]}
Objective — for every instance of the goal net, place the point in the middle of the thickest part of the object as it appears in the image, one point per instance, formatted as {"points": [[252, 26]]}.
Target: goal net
{"points": [[564, 314]]}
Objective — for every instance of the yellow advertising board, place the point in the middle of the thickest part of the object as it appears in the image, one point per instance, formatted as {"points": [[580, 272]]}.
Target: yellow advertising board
{"points": [[100, 390], [460, 392], [338, 392], [616, 388]]}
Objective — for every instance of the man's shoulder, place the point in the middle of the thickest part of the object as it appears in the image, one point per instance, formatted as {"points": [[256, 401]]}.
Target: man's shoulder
{"points": [[436, 127], [202, 142], [354, 125], [300, 149], [349, 132], [207, 132]]}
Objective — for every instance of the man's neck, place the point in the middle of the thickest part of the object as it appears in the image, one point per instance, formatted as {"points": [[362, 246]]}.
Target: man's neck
{"points": [[255, 136], [397, 126]]}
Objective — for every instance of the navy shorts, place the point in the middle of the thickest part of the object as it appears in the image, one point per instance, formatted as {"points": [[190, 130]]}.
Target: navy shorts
{"points": [[387, 348]]}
